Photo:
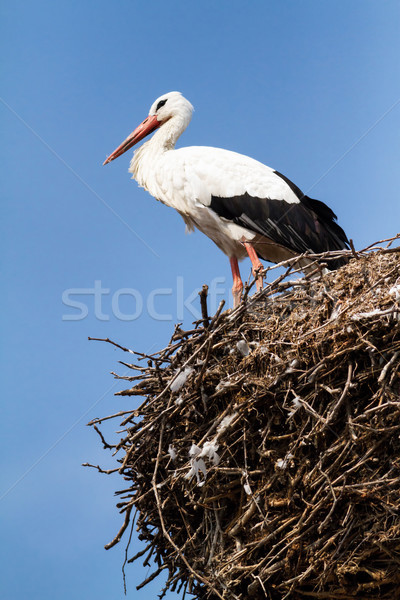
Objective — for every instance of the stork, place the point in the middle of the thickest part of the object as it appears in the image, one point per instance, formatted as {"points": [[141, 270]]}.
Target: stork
{"points": [[243, 206]]}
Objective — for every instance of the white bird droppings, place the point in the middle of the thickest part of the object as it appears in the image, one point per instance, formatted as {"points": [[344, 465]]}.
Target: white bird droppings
{"points": [[243, 348], [210, 451], [180, 379], [395, 291], [172, 452], [226, 421], [247, 489], [282, 463]]}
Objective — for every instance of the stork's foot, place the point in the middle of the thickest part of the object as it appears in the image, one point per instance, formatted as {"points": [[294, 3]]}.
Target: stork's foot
{"points": [[258, 267], [259, 278]]}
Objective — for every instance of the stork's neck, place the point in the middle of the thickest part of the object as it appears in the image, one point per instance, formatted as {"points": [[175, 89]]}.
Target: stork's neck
{"points": [[167, 135], [164, 139]]}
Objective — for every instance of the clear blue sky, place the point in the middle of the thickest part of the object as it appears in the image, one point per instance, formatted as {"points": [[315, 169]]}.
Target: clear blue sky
{"points": [[310, 88]]}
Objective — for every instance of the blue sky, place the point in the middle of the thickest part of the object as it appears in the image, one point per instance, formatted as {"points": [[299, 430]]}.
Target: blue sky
{"points": [[310, 88]]}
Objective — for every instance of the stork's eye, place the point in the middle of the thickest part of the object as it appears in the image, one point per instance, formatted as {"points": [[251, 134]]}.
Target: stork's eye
{"points": [[160, 104]]}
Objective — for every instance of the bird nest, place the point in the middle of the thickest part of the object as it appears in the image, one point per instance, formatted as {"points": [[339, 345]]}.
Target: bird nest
{"points": [[264, 461]]}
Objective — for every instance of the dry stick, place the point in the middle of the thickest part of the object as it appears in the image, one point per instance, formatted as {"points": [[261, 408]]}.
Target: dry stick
{"points": [[100, 470], [127, 377], [243, 519], [246, 476], [274, 533], [150, 552], [383, 480], [385, 369], [133, 414], [308, 408], [151, 577], [133, 367], [351, 244], [379, 408], [126, 552], [134, 391], [218, 532], [381, 242], [129, 436], [332, 414], [298, 578], [392, 240], [121, 531], [118, 346], [140, 553], [350, 425], [217, 314], [105, 444], [180, 333], [203, 303], [389, 250], [205, 363], [98, 421], [334, 503]]}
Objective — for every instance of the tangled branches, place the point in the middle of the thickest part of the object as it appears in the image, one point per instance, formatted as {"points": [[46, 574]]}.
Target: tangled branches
{"points": [[264, 461]]}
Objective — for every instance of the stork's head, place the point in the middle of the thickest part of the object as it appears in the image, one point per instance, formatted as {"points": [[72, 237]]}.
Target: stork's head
{"points": [[170, 105], [166, 107]]}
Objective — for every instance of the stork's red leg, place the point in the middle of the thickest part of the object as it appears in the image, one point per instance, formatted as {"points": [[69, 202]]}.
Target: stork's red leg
{"points": [[257, 265], [237, 282]]}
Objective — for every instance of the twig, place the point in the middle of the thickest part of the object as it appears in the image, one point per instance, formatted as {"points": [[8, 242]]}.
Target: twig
{"points": [[332, 414], [121, 531], [203, 303], [386, 368], [351, 244]]}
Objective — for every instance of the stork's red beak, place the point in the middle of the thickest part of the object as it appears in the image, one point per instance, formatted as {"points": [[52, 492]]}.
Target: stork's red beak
{"points": [[148, 126]]}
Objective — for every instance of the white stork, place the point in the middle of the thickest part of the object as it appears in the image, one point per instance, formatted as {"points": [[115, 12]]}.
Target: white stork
{"points": [[245, 207]]}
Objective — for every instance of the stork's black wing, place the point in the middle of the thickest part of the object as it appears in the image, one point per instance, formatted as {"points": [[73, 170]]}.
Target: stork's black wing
{"points": [[307, 225]]}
